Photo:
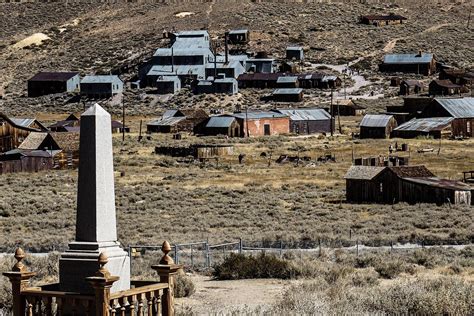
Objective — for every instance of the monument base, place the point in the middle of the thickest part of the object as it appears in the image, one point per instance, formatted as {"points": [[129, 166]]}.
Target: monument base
{"points": [[81, 261]]}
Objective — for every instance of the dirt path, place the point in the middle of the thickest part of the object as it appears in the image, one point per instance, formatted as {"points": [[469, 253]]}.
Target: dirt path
{"points": [[211, 295], [391, 44]]}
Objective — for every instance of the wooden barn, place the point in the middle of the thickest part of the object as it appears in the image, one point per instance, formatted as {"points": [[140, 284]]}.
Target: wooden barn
{"points": [[436, 127], [421, 63], [409, 87], [377, 126], [222, 125], [348, 108], [175, 121], [443, 88], [288, 95], [44, 83], [411, 184], [380, 20], [308, 121], [460, 109], [13, 131]]}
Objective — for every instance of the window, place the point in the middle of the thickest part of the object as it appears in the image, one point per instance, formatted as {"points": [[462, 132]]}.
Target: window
{"points": [[381, 187], [468, 128]]}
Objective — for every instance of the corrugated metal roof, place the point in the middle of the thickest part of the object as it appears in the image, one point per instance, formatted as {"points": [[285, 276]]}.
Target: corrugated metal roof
{"points": [[287, 79], [258, 115], [170, 113], [458, 108], [53, 76], [363, 172], [220, 121], [408, 58], [192, 33], [241, 31], [168, 79], [305, 114], [425, 124], [288, 91], [441, 183], [101, 79], [187, 50], [445, 83], [181, 70], [167, 121], [24, 122], [32, 153], [225, 80], [375, 120]]}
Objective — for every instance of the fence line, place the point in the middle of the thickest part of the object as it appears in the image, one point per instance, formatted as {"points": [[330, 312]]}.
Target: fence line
{"points": [[189, 252]]}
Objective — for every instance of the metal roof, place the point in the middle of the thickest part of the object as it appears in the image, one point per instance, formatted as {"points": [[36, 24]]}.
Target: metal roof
{"points": [[167, 79], [187, 50], [258, 115], [180, 70], [305, 114], [241, 31], [225, 80], [222, 65], [375, 120], [32, 153], [287, 79], [459, 107], [441, 183], [294, 48], [196, 33], [220, 121], [288, 91], [425, 124], [412, 83], [24, 122], [167, 121], [53, 76], [408, 58], [260, 60], [445, 83], [101, 79], [363, 172], [171, 113]]}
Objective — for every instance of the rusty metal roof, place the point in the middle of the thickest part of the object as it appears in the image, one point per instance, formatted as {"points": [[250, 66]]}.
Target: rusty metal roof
{"points": [[458, 107], [445, 83], [375, 120], [426, 124], [411, 171], [441, 183]]}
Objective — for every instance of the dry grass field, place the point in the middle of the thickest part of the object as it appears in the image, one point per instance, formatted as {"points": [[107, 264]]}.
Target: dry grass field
{"points": [[160, 198]]}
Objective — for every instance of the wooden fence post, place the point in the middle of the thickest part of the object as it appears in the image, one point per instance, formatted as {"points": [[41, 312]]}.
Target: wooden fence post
{"points": [[167, 270], [102, 282], [19, 278], [240, 245]]}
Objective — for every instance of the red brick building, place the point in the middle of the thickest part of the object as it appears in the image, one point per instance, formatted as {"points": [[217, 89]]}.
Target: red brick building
{"points": [[262, 123]]}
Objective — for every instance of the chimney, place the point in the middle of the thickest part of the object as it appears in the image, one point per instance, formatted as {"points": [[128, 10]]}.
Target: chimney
{"points": [[420, 53], [226, 47]]}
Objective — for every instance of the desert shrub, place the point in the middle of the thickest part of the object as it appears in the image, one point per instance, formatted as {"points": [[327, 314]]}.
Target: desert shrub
{"points": [[238, 266], [184, 286], [390, 269]]}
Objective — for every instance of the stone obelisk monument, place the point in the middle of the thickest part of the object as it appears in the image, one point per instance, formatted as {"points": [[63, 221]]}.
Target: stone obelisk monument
{"points": [[96, 227]]}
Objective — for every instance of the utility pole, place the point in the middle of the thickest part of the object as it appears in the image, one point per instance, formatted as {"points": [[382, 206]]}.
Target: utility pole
{"points": [[332, 114], [123, 121], [247, 120]]}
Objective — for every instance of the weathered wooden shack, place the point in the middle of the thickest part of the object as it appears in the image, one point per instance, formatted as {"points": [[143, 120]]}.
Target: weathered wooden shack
{"points": [[13, 131], [460, 109], [348, 108], [175, 121], [308, 121], [409, 87], [411, 184], [238, 37], [380, 20], [222, 125], [460, 77], [443, 88], [436, 127], [288, 95], [421, 63], [44, 83], [287, 82], [377, 126], [20, 160], [197, 151]]}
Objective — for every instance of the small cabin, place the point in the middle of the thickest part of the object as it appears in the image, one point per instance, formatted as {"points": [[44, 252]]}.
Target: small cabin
{"points": [[288, 82], [288, 95], [44, 83], [377, 126], [409, 87], [99, 86], [435, 127], [421, 63], [239, 36], [222, 125], [168, 85], [294, 53], [443, 88]]}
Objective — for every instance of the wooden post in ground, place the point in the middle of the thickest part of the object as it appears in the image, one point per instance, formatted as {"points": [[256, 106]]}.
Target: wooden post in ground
{"points": [[101, 283], [167, 271], [19, 278]]}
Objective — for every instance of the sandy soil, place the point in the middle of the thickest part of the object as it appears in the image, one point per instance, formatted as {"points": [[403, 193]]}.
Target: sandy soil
{"points": [[210, 295], [36, 39]]}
